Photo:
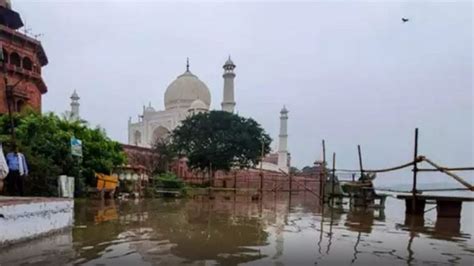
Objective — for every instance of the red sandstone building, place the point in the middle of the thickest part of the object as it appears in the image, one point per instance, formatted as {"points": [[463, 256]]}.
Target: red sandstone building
{"points": [[23, 58]]}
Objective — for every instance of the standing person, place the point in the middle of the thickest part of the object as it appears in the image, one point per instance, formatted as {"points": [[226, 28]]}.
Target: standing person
{"points": [[3, 168], [18, 170]]}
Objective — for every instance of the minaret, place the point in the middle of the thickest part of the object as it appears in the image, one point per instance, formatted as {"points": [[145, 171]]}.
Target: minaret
{"points": [[283, 141], [228, 102], [75, 106]]}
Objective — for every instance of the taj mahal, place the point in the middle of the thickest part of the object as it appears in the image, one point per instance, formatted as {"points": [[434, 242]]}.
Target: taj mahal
{"points": [[188, 95]]}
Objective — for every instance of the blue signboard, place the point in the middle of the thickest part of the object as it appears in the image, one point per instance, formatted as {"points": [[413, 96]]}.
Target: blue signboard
{"points": [[76, 147]]}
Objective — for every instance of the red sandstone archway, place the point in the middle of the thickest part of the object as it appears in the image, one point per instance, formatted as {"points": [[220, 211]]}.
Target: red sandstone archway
{"points": [[27, 63], [15, 59]]}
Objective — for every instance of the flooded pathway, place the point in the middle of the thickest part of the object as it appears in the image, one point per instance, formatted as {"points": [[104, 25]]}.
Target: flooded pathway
{"points": [[232, 229]]}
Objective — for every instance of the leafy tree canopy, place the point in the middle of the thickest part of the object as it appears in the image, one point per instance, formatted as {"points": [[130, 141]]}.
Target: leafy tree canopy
{"points": [[45, 141], [294, 170], [221, 139], [165, 154]]}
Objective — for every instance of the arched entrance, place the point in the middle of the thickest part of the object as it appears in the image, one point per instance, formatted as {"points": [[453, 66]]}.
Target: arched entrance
{"points": [[137, 137], [159, 133]]}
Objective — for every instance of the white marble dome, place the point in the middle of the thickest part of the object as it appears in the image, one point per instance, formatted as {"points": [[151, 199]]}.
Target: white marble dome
{"points": [[184, 90], [198, 105]]}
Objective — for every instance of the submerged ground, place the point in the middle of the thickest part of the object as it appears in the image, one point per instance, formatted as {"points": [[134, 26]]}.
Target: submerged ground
{"points": [[232, 229]]}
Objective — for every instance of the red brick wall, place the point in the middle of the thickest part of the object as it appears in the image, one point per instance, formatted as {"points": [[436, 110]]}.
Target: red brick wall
{"points": [[140, 156], [31, 86], [25, 87], [242, 178]]}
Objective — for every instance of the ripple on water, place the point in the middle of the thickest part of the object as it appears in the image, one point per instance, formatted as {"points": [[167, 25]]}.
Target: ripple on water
{"points": [[231, 232]]}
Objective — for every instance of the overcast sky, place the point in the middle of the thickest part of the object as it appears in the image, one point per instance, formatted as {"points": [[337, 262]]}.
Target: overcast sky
{"points": [[349, 72]]}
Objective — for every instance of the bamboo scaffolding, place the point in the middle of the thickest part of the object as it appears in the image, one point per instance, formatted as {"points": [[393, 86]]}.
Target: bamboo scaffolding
{"points": [[458, 178]]}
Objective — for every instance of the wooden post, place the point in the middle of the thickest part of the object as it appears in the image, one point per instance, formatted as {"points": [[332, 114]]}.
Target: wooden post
{"points": [[235, 181], [211, 179], [289, 180], [415, 170], [360, 161], [323, 174], [333, 179]]}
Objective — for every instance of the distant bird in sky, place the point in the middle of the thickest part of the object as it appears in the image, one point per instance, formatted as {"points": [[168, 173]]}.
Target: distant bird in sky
{"points": [[404, 20]]}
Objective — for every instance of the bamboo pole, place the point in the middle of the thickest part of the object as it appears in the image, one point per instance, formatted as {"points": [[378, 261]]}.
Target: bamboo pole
{"points": [[458, 178], [323, 175], [333, 179], [289, 180], [415, 171], [446, 169], [360, 161], [261, 167], [235, 180], [210, 178]]}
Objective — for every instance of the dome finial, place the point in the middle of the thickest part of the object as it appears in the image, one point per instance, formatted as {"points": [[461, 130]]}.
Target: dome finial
{"points": [[187, 64]]}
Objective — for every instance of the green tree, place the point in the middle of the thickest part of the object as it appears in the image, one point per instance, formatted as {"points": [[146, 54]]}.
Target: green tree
{"points": [[165, 154], [45, 141], [221, 139], [294, 170]]}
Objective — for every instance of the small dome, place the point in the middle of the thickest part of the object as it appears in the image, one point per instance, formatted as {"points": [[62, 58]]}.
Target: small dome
{"points": [[198, 105], [229, 65], [183, 91], [149, 109], [74, 96], [284, 110]]}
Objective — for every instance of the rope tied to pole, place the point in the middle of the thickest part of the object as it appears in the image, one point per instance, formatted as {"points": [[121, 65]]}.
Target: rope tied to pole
{"points": [[419, 159], [456, 177]]}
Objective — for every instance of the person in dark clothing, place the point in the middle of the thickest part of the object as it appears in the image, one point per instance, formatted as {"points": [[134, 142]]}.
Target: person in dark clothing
{"points": [[18, 169]]}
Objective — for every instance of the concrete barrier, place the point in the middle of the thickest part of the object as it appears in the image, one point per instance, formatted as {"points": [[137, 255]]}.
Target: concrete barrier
{"points": [[26, 218]]}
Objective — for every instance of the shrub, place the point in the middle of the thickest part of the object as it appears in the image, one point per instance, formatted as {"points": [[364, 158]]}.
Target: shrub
{"points": [[45, 141], [169, 181]]}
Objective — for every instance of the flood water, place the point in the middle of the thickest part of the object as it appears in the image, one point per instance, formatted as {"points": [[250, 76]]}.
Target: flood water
{"points": [[233, 229]]}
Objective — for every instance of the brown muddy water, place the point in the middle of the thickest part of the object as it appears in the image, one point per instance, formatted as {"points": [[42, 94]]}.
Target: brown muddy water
{"points": [[231, 230]]}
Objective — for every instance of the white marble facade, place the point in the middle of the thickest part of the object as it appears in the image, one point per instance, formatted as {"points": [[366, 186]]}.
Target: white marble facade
{"points": [[185, 96]]}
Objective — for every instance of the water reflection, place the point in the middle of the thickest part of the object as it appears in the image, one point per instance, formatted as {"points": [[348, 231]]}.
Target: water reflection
{"points": [[444, 228], [232, 229], [53, 250], [362, 220]]}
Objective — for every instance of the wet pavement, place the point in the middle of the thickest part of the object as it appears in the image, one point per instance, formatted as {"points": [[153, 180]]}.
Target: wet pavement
{"points": [[233, 229]]}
